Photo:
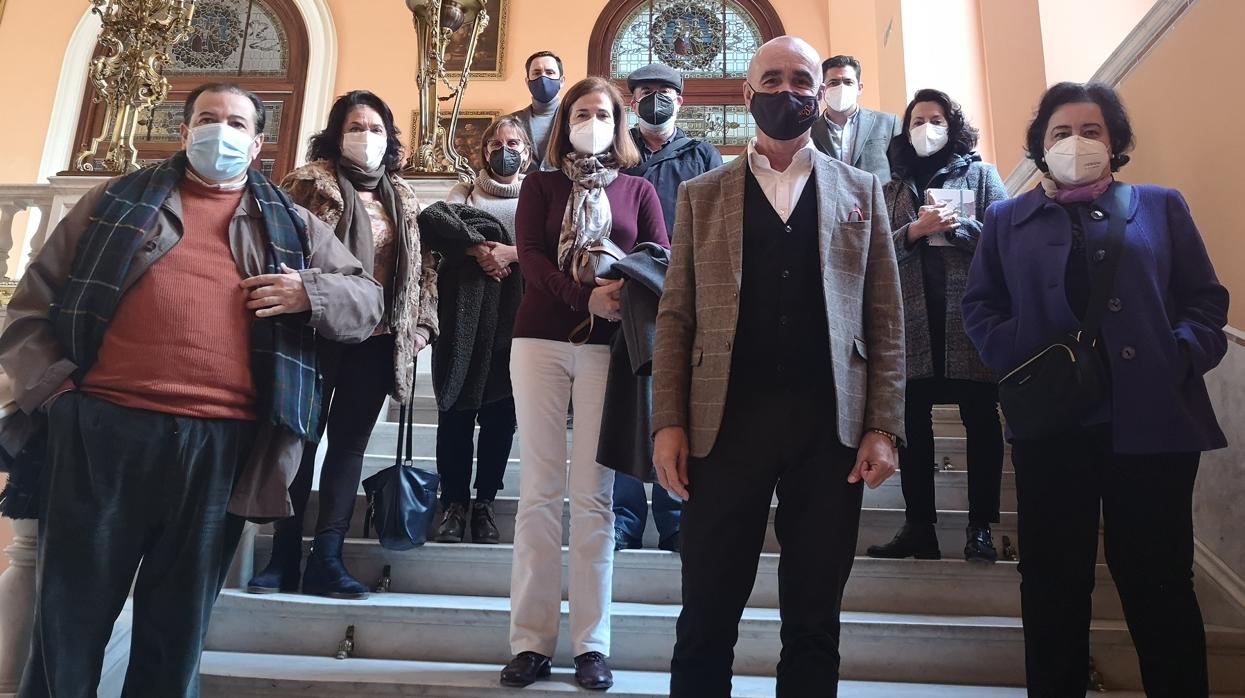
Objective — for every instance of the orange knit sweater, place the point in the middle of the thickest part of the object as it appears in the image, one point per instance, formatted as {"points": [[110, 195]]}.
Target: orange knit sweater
{"points": [[179, 342]]}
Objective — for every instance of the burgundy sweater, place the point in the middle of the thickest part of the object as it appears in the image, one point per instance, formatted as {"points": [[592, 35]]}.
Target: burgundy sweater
{"points": [[553, 304]]}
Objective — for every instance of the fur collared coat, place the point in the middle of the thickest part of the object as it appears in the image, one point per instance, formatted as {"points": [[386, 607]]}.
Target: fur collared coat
{"points": [[414, 307]]}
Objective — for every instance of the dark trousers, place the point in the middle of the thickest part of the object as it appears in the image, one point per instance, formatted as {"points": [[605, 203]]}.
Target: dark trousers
{"points": [[631, 510], [1147, 517], [770, 440], [979, 410], [128, 491], [357, 377], [456, 450]]}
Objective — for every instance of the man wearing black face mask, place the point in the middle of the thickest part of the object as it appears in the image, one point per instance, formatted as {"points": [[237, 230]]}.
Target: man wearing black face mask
{"points": [[668, 157], [544, 82], [779, 364]]}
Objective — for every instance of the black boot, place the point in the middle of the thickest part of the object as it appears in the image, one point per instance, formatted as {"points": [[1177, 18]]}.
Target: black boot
{"points": [[913, 540], [453, 524], [326, 574], [980, 545], [281, 574], [484, 523]]}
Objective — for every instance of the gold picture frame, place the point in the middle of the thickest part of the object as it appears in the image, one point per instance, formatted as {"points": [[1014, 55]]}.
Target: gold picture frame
{"points": [[2, 9], [490, 57], [468, 137]]}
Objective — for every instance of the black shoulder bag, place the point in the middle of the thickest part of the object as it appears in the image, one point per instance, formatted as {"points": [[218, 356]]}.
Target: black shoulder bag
{"points": [[1060, 385], [401, 499]]}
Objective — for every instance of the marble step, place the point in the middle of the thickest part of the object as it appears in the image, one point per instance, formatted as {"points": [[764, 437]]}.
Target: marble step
{"points": [[927, 648], [384, 441], [876, 526], [235, 675], [952, 586]]}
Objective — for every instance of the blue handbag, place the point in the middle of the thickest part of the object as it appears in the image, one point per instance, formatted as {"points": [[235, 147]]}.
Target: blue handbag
{"points": [[401, 499]]}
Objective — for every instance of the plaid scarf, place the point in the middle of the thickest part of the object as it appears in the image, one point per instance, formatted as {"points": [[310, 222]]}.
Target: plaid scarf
{"points": [[283, 357]]}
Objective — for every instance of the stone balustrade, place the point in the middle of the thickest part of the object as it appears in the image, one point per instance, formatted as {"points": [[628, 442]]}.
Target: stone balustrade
{"points": [[14, 199]]}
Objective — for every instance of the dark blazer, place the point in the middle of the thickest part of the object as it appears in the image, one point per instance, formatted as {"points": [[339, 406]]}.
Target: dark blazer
{"points": [[1164, 331], [870, 141], [904, 202], [626, 440], [669, 167]]}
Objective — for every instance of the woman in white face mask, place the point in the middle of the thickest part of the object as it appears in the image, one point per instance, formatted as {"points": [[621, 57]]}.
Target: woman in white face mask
{"points": [[353, 184], [1118, 277], [937, 201], [557, 355]]}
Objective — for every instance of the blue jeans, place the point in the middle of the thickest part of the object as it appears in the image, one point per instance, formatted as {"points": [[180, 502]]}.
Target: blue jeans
{"points": [[631, 510]]}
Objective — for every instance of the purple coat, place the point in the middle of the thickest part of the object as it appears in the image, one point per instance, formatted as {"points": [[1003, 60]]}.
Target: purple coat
{"points": [[1164, 328]]}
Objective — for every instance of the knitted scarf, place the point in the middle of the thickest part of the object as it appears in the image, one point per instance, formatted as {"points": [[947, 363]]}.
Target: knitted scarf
{"points": [[283, 357]]}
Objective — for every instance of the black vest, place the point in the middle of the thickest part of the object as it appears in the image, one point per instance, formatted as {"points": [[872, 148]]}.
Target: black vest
{"points": [[782, 340]]}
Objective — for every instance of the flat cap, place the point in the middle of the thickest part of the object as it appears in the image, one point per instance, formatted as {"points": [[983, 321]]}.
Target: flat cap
{"points": [[656, 72]]}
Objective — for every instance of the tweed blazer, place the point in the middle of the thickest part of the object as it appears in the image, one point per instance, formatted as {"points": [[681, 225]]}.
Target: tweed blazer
{"points": [[904, 203], [699, 310]]}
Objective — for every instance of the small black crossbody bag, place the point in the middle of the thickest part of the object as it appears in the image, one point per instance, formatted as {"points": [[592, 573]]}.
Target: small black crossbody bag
{"points": [[1059, 386]]}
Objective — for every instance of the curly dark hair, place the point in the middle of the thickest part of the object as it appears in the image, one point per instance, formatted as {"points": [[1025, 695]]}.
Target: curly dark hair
{"points": [[961, 135], [327, 144], [1119, 129]]}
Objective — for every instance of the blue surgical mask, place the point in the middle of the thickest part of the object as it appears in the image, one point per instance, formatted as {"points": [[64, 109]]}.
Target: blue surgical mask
{"points": [[219, 152], [544, 88]]}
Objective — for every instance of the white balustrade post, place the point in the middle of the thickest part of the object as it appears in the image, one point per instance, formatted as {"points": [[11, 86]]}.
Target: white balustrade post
{"points": [[7, 213], [17, 604]]}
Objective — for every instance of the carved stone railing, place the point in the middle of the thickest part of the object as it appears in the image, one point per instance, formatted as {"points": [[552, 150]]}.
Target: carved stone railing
{"points": [[17, 594], [14, 199]]}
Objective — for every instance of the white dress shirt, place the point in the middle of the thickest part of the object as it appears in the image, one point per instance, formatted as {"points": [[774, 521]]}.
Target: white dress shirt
{"points": [[782, 189]]}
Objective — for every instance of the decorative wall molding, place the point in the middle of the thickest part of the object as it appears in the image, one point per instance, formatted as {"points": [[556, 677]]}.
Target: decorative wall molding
{"points": [[1123, 60], [1219, 572], [1234, 335]]}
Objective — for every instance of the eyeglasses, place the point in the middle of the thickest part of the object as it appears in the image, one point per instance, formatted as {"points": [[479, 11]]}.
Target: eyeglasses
{"points": [[513, 144]]}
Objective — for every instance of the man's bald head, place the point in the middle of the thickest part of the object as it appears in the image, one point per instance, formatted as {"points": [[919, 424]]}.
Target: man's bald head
{"points": [[786, 55]]}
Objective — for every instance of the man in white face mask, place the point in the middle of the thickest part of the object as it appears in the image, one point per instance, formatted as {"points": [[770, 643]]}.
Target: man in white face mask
{"points": [[158, 343], [847, 131]]}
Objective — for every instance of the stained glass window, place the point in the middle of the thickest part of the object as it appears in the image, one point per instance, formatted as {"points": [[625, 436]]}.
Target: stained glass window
{"points": [[722, 125], [166, 121], [233, 37], [701, 38]]}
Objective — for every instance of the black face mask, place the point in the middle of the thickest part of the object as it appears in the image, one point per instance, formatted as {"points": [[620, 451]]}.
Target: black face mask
{"points": [[784, 116], [544, 88], [505, 161], [656, 109]]}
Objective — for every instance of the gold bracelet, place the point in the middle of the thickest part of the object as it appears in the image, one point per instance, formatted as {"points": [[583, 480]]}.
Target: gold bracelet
{"points": [[893, 439]]}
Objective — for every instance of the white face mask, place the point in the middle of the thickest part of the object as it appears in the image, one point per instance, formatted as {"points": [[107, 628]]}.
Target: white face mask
{"points": [[1075, 160], [365, 149], [841, 98], [928, 139], [592, 136]]}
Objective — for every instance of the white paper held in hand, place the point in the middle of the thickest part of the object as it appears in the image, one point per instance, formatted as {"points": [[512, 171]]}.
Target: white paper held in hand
{"points": [[964, 201]]}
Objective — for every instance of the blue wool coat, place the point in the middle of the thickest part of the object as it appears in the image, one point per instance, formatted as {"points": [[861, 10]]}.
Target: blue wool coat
{"points": [[1164, 328]]}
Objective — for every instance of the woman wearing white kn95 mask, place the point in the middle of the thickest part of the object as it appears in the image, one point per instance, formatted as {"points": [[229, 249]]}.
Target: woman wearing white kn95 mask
{"points": [[561, 350], [353, 183]]}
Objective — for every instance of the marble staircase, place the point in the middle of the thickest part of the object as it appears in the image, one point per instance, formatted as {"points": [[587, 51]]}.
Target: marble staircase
{"points": [[910, 628]]}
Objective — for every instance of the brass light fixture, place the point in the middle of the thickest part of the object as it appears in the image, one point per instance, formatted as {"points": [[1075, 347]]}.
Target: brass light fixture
{"points": [[432, 147], [129, 79]]}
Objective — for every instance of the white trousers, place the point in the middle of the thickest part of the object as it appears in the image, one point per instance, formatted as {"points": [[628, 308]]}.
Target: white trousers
{"points": [[547, 375]]}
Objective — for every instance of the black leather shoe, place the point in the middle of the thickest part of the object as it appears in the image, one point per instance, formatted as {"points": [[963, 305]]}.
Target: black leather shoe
{"points": [[913, 540], [453, 524], [980, 545], [484, 523], [592, 673], [671, 543], [326, 574], [285, 566], [622, 541], [526, 669]]}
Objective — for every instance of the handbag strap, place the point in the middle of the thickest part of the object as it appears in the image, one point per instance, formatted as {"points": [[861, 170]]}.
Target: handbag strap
{"points": [[1120, 197]]}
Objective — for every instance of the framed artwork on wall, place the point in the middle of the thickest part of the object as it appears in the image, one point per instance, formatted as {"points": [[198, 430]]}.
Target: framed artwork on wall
{"points": [[470, 134], [489, 63], [2, 10]]}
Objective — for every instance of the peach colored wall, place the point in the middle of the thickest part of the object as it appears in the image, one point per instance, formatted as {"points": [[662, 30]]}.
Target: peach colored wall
{"points": [[891, 84], [1079, 35], [33, 37], [1015, 74], [943, 50], [1203, 163], [854, 31]]}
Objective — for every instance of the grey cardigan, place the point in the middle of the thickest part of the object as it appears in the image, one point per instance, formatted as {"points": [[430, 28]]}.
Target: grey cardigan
{"points": [[903, 201]]}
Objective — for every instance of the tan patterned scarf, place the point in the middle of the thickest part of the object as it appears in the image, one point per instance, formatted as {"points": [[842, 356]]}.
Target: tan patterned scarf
{"points": [[588, 218]]}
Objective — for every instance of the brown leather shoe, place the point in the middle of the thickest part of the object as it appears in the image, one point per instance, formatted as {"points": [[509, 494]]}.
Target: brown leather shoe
{"points": [[592, 672], [526, 669]]}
